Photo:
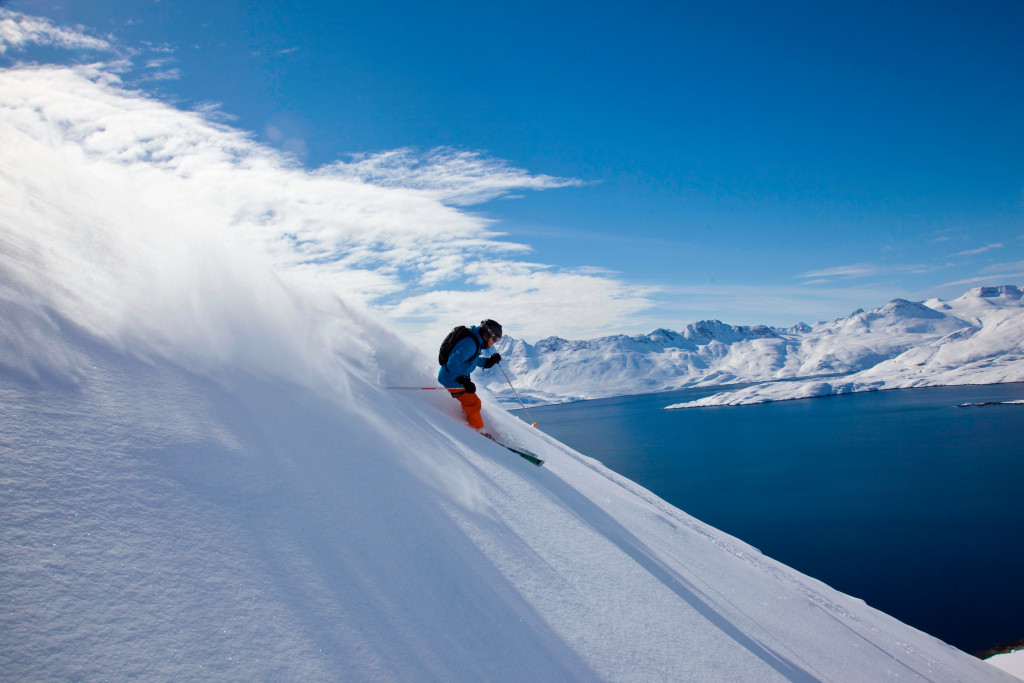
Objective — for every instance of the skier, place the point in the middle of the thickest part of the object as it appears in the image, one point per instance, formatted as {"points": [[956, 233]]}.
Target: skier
{"points": [[460, 355]]}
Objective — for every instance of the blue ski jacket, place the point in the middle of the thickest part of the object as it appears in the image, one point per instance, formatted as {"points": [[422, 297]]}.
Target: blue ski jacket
{"points": [[463, 359]]}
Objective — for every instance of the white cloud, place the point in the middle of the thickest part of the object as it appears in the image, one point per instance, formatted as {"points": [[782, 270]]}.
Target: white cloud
{"points": [[850, 272], [457, 177], [1003, 267], [162, 75], [777, 305], [986, 280], [118, 182], [18, 31], [995, 274], [859, 270], [537, 300], [980, 250]]}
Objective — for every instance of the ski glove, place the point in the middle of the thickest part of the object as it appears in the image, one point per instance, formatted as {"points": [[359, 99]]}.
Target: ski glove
{"points": [[466, 383], [492, 360]]}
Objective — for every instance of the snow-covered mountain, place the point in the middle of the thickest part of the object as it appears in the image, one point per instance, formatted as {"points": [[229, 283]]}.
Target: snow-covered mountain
{"points": [[973, 339], [205, 477], [988, 349]]}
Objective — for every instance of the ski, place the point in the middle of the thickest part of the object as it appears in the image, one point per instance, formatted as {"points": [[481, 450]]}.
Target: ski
{"points": [[523, 454]]}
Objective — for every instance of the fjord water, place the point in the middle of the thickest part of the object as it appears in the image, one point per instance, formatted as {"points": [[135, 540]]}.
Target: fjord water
{"points": [[899, 498]]}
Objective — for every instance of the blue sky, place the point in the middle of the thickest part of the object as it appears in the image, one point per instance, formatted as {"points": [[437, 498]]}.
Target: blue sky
{"points": [[748, 161]]}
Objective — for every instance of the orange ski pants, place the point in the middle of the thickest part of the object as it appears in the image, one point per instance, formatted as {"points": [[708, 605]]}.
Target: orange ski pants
{"points": [[471, 407]]}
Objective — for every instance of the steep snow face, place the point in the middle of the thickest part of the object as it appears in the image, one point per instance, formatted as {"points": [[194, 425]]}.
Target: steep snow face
{"points": [[163, 524], [204, 476], [862, 340], [712, 352], [706, 331], [1005, 292]]}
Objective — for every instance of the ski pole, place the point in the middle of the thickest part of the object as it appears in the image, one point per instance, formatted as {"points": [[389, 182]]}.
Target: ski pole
{"points": [[517, 394], [424, 388]]}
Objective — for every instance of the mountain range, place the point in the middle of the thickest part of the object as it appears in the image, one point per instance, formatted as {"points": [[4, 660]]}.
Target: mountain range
{"points": [[977, 338]]}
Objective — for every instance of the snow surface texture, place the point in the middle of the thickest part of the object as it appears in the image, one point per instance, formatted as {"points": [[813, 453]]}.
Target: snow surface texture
{"points": [[975, 339], [1010, 662], [204, 477]]}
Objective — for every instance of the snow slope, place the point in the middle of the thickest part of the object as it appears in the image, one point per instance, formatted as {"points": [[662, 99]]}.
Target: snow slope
{"points": [[975, 339], [204, 476], [1010, 662], [164, 524]]}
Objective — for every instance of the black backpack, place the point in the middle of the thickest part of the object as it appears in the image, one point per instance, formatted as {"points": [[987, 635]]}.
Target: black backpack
{"points": [[458, 333]]}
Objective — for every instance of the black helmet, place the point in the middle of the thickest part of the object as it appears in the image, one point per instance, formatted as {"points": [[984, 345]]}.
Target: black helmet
{"points": [[490, 329]]}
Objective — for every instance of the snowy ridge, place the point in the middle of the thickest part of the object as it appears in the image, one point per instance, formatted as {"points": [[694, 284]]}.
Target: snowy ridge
{"points": [[975, 339], [205, 477]]}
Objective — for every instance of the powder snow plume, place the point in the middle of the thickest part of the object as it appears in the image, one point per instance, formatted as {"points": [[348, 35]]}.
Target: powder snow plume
{"points": [[119, 217]]}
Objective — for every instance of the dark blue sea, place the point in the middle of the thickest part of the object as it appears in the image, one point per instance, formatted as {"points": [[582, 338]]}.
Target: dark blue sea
{"points": [[899, 498]]}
